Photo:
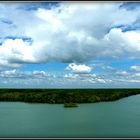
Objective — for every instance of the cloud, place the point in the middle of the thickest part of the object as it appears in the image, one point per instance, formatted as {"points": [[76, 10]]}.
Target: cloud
{"points": [[60, 33], [79, 68], [39, 74], [108, 76], [71, 76], [6, 21], [108, 68], [16, 73], [125, 44], [87, 78], [122, 73], [130, 5], [16, 52], [35, 6], [136, 68], [10, 74], [40, 78], [129, 81]]}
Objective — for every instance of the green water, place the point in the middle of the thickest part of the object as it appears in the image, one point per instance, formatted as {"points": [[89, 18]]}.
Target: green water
{"points": [[107, 119]]}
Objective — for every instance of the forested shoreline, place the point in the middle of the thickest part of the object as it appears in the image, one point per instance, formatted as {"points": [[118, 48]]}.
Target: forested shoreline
{"points": [[61, 96]]}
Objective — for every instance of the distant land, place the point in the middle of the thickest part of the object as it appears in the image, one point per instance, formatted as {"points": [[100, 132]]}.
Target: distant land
{"points": [[65, 96]]}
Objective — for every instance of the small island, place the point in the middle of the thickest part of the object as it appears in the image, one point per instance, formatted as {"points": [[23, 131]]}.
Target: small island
{"points": [[68, 97], [70, 105]]}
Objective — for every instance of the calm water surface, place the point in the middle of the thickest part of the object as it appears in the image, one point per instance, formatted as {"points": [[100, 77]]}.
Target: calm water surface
{"points": [[106, 119]]}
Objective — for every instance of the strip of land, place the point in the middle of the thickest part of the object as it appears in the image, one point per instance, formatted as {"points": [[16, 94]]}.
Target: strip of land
{"points": [[65, 96]]}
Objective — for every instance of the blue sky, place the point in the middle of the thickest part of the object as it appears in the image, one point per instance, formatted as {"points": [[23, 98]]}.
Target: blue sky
{"points": [[69, 45]]}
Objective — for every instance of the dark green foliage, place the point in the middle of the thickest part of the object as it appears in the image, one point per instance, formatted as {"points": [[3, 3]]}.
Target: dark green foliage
{"points": [[59, 96]]}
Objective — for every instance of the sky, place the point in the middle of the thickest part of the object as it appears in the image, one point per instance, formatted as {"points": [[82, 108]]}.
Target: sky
{"points": [[69, 44]]}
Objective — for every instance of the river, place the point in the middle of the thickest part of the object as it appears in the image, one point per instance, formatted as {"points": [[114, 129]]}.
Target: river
{"points": [[105, 119]]}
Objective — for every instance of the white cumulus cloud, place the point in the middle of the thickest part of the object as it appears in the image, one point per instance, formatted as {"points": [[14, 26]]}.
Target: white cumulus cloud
{"points": [[81, 68], [71, 33], [136, 68]]}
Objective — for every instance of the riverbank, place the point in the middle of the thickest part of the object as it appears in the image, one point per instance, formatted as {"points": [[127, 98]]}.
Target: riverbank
{"points": [[62, 96]]}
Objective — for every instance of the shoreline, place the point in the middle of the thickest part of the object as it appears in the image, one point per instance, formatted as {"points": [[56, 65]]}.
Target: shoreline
{"points": [[71, 97]]}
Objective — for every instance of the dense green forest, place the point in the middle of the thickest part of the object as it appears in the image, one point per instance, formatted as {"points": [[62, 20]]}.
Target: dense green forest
{"points": [[59, 96]]}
